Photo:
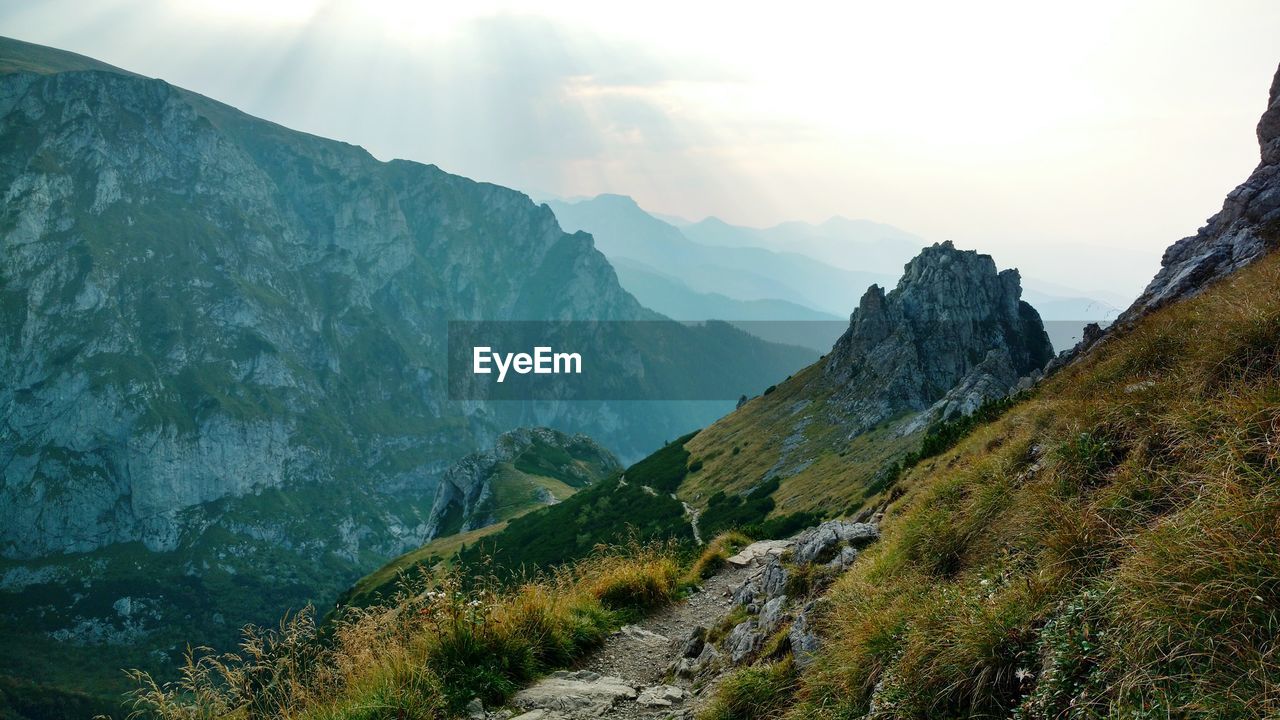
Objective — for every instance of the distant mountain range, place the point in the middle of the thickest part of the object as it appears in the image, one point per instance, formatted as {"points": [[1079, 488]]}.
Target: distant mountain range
{"points": [[794, 271], [856, 245]]}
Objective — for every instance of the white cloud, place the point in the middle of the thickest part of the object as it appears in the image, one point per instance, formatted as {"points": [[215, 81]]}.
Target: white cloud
{"points": [[1060, 137]]}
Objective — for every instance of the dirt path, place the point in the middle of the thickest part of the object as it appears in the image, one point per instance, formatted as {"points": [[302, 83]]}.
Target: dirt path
{"points": [[629, 677]]}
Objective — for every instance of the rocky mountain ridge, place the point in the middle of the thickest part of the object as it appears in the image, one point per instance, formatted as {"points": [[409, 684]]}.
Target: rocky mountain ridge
{"points": [[1244, 230], [952, 320]]}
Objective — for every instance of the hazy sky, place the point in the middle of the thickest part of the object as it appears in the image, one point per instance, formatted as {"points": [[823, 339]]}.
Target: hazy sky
{"points": [[1074, 140]]}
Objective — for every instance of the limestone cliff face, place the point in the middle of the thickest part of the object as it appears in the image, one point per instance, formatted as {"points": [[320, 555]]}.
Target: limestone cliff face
{"points": [[199, 304], [952, 324], [1246, 228]]}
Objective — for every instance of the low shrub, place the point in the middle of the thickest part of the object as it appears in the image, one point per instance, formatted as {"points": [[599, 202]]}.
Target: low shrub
{"points": [[758, 692], [713, 556]]}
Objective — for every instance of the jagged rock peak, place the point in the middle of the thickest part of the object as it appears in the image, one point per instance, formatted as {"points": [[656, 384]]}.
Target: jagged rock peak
{"points": [[1269, 125], [1247, 227], [905, 349]]}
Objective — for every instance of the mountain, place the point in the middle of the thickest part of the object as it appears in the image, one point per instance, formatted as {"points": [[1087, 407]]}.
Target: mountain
{"points": [[776, 321], [526, 469], [952, 336], [671, 297], [625, 232], [857, 245], [839, 256], [952, 315], [1239, 234], [222, 345]]}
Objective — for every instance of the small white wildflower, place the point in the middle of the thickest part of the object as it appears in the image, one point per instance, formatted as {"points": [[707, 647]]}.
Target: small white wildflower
{"points": [[1022, 674]]}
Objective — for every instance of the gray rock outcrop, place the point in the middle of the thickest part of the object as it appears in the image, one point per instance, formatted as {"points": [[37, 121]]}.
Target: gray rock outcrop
{"points": [[1245, 229], [822, 543], [580, 692], [952, 321]]}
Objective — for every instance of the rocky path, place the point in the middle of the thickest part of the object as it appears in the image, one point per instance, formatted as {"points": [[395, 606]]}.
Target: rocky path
{"points": [[665, 666], [631, 675]]}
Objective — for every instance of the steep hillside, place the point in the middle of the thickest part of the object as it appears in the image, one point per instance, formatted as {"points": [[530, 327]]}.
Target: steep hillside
{"points": [[1106, 549], [952, 335], [223, 351]]}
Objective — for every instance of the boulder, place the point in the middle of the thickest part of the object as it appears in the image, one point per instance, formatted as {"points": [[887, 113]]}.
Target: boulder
{"points": [[757, 551], [691, 667], [823, 542], [575, 692], [804, 638], [661, 696], [694, 642], [743, 641], [773, 614], [773, 580]]}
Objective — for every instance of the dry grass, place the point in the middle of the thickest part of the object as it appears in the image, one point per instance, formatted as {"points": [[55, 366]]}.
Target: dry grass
{"points": [[740, 448], [1109, 548], [440, 644], [713, 556]]}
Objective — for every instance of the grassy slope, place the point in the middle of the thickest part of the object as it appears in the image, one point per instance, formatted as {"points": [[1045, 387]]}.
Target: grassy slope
{"points": [[515, 494], [19, 56], [1108, 548], [738, 450]]}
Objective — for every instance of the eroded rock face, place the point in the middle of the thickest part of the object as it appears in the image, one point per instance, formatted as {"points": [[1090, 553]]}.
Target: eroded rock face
{"points": [[826, 541], [906, 349], [1246, 228], [202, 305]]}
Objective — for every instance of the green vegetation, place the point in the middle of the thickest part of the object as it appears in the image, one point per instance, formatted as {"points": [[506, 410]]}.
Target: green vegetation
{"points": [[440, 644], [636, 504], [941, 437], [749, 513], [605, 513], [759, 691], [713, 556], [664, 469], [25, 700], [1107, 548]]}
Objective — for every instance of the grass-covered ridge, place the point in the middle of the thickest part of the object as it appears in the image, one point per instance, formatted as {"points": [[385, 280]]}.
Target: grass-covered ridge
{"points": [[1107, 548], [637, 503]]}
